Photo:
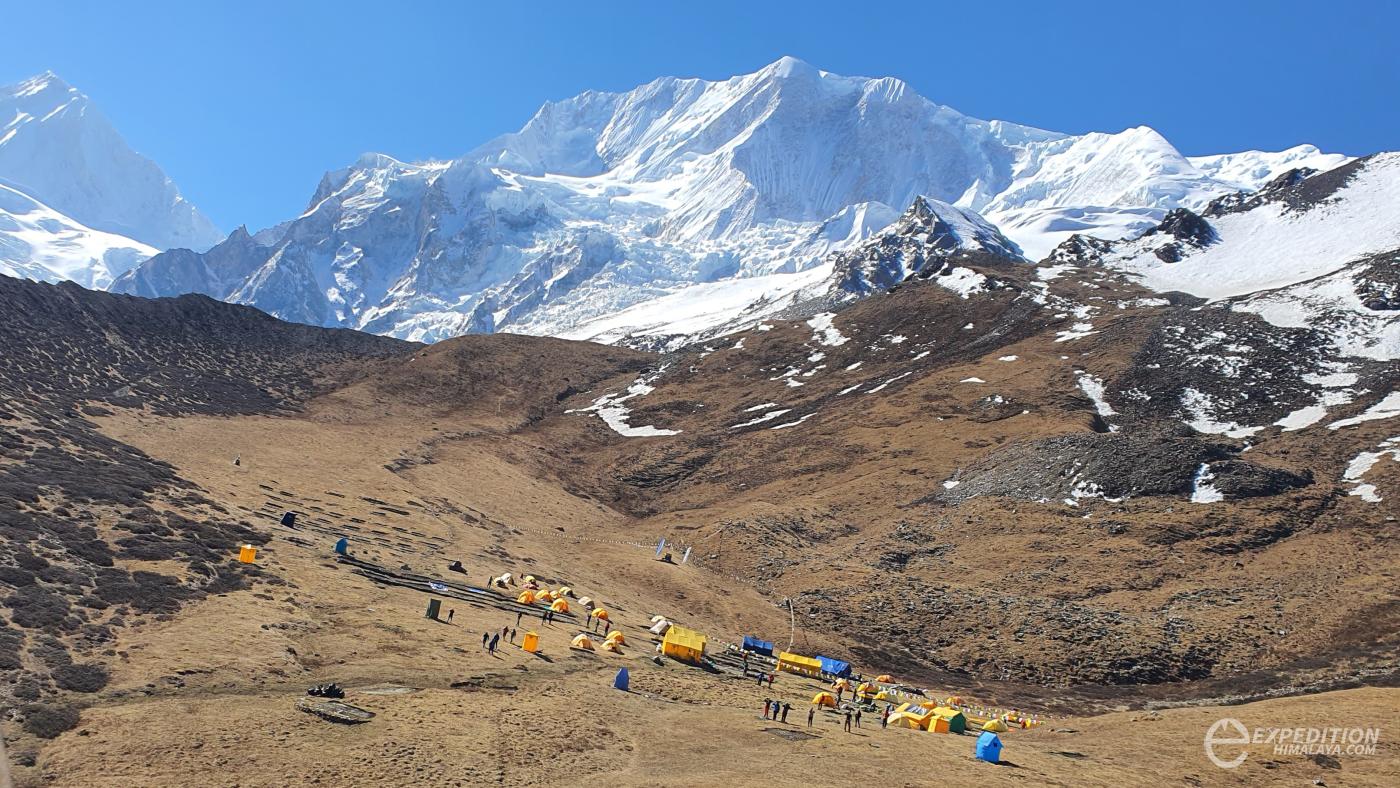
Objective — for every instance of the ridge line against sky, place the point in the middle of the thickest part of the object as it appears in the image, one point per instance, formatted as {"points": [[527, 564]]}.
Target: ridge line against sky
{"points": [[246, 104]]}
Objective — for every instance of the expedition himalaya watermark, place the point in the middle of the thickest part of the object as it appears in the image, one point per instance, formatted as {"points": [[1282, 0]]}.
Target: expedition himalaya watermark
{"points": [[1227, 741]]}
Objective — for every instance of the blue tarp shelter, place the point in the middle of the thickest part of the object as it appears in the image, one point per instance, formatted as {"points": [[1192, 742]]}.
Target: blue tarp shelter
{"points": [[835, 667], [758, 646], [342, 545], [622, 680], [988, 747]]}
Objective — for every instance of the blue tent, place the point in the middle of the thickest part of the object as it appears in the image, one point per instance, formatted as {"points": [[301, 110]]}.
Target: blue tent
{"points": [[342, 545], [621, 682], [988, 747], [758, 646], [835, 667]]}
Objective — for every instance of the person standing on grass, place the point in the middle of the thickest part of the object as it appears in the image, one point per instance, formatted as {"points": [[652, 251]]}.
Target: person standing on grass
{"points": [[495, 639], [450, 612], [811, 715], [857, 718], [767, 706], [770, 679], [787, 707], [518, 615], [885, 718], [848, 720], [485, 637], [512, 635]]}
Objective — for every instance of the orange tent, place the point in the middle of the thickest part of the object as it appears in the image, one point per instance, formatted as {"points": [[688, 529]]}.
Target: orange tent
{"points": [[582, 642], [616, 635], [526, 597], [560, 606], [601, 614]]}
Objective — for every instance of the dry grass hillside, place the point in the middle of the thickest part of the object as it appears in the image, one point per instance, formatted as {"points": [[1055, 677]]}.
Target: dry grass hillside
{"points": [[142, 443]]}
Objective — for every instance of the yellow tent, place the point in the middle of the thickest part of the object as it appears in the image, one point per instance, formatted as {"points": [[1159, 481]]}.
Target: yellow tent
{"points": [[683, 644], [882, 695], [616, 635], [612, 645], [995, 726], [902, 719], [796, 663], [601, 613], [527, 597], [884, 678], [938, 725], [545, 596], [559, 606], [529, 579], [581, 641], [911, 716], [824, 699], [841, 684], [930, 704], [531, 642], [866, 688], [564, 591]]}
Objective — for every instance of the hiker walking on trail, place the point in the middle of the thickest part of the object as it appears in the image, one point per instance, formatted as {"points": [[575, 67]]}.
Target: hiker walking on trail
{"points": [[770, 680], [504, 631], [760, 679], [518, 616], [607, 627], [512, 635], [450, 613], [885, 718], [495, 639], [485, 636], [848, 720], [787, 707], [767, 706], [811, 715], [857, 718]]}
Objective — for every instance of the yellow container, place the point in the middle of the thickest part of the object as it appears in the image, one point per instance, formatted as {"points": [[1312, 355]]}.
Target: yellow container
{"points": [[531, 643], [248, 554]]}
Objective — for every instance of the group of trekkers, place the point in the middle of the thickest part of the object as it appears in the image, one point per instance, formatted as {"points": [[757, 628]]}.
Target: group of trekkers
{"points": [[491, 640]]}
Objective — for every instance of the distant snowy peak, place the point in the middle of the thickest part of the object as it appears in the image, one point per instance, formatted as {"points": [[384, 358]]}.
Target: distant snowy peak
{"points": [[57, 147], [922, 242], [1250, 170], [1298, 228]]}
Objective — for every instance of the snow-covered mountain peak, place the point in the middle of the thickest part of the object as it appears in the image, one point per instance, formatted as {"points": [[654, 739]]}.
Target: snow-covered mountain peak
{"points": [[59, 149], [685, 204]]}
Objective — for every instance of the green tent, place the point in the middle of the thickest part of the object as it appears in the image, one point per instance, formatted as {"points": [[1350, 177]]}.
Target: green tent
{"points": [[957, 721]]}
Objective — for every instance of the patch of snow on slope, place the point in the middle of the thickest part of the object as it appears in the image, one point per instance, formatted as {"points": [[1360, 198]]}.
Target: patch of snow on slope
{"points": [[1363, 463], [610, 409], [1387, 408], [1202, 491], [769, 416], [1198, 407], [793, 423], [963, 281], [826, 333], [1094, 390]]}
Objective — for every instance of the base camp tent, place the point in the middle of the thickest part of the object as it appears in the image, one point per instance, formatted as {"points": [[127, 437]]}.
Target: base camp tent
{"points": [[559, 606], [884, 678], [527, 597], [902, 719], [600, 613], [988, 747], [616, 635], [581, 641], [757, 646], [683, 644], [824, 699], [834, 667], [957, 721], [995, 726], [796, 663], [660, 627]]}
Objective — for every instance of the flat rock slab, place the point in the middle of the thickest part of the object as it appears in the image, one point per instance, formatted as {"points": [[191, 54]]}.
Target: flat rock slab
{"points": [[335, 711]]}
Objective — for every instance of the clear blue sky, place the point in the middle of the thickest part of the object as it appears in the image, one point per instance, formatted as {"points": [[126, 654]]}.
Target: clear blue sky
{"points": [[245, 104]]}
